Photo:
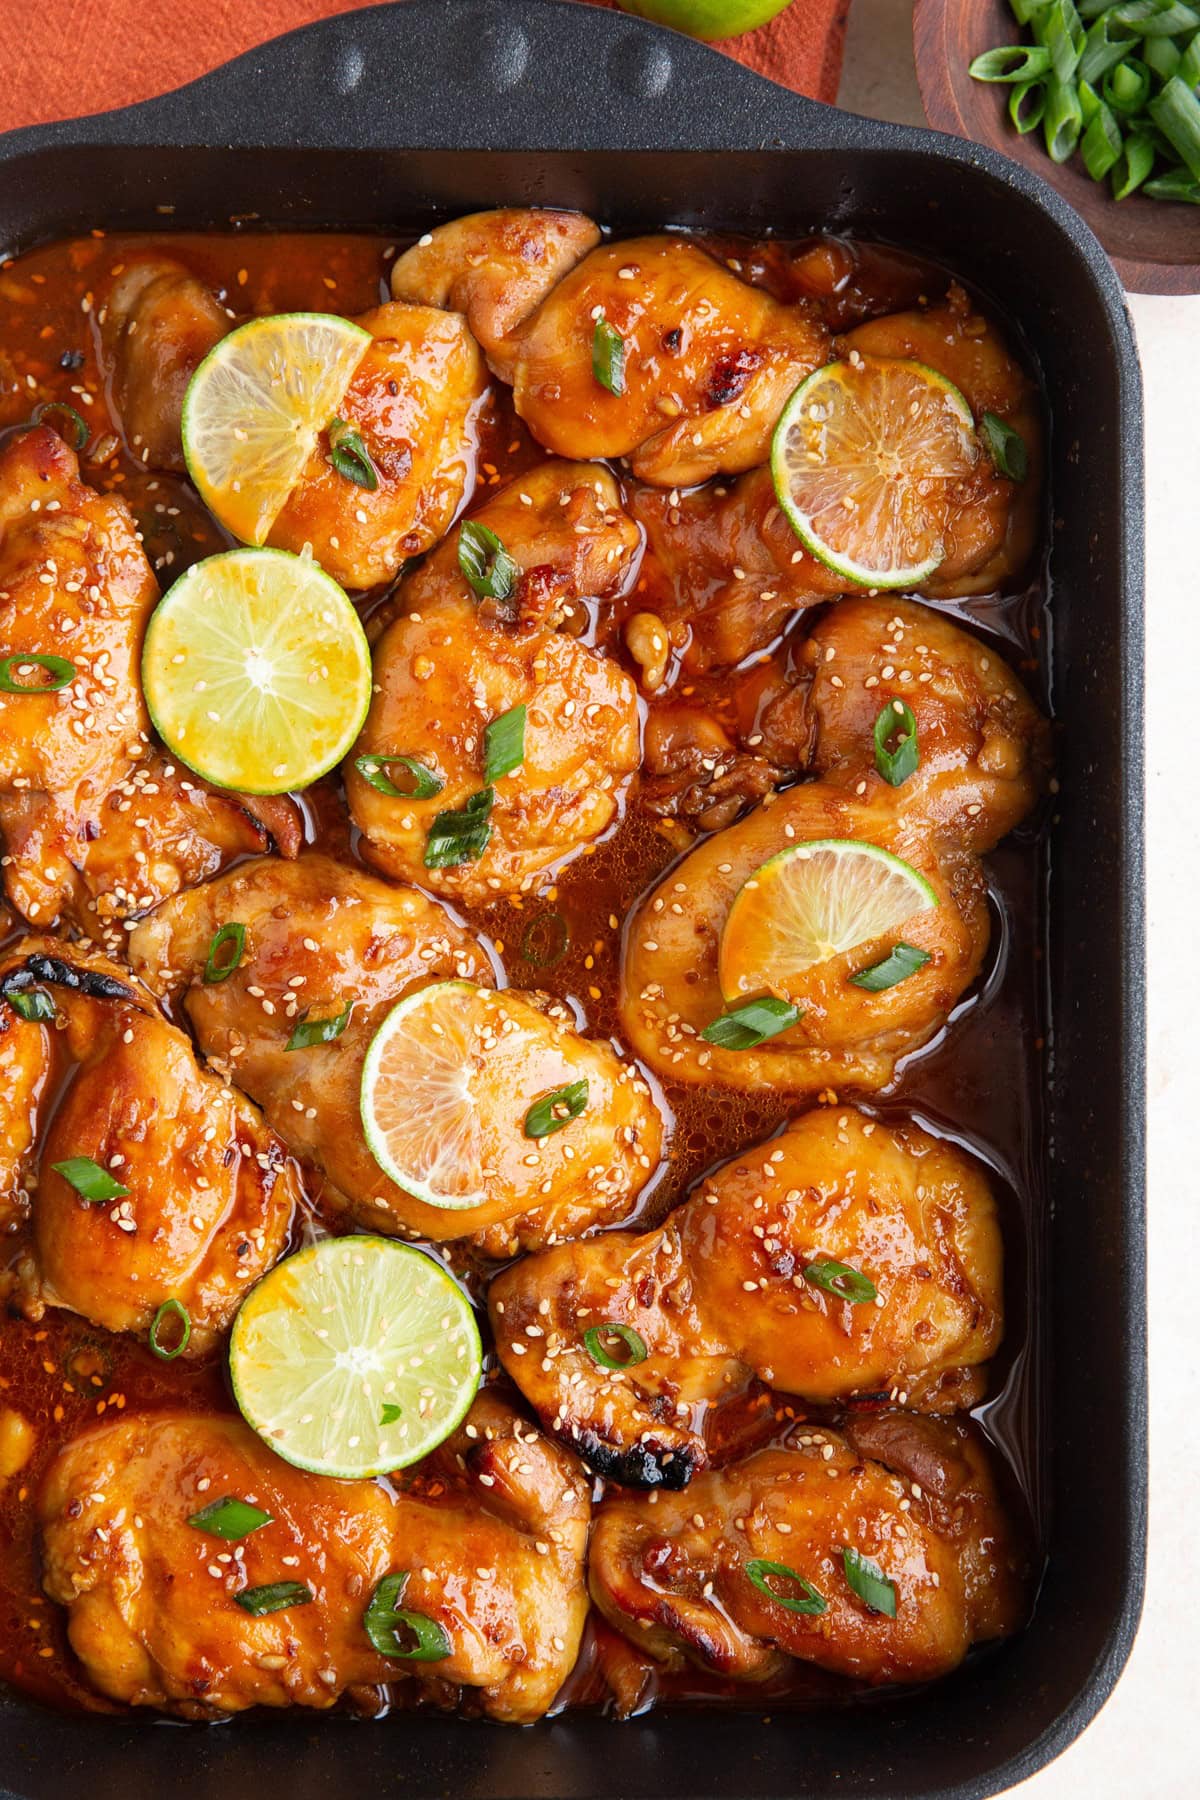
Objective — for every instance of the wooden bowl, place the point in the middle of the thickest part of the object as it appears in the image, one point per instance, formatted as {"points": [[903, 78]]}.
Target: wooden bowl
{"points": [[1155, 244]]}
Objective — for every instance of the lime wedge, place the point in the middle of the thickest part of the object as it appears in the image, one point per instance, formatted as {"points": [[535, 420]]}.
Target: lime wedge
{"points": [[256, 671], [810, 903], [865, 460], [355, 1356], [255, 408]]}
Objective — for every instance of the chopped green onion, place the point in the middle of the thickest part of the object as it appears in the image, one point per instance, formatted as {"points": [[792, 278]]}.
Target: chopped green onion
{"points": [[504, 744], [545, 940], [634, 1342], [811, 1602], [319, 1031], [1162, 57], [276, 1596], [1026, 105], [1176, 112], [90, 1181], [231, 1519], [1126, 88], [350, 456], [389, 1412], [553, 1111], [1102, 51], [33, 1004], [1062, 121], [1101, 144], [904, 960], [1089, 103], [384, 1618], [425, 784], [1006, 447], [1061, 31], [840, 1280], [1133, 165], [225, 952], [57, 667], [460, 836], [1011, 62], [170, 1309], [869, 1582], [1189, 63], [1155, 18], [78, 425], [896, 721], [486, 565], [608, 357], [1178, 185], [751, 1024]]}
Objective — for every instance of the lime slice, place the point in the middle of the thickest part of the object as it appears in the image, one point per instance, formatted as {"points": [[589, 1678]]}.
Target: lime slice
{"points": [[255, 408], [865, 458], [257, 671], [355, 1356], [810, 903]]}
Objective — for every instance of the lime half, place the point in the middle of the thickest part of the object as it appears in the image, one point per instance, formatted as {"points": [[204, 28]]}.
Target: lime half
{"points": [[255, 408], [810, 903], [865, 459], [257, 671], [355, 1356]]}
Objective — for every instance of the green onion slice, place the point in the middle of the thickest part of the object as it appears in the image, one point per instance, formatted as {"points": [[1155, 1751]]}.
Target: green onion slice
{"points": [[608, 356], [461, 836], [1011, 62], [634, 1342], [389, 1412], [385, 1618], [1178, 185], [504, 744], [350, 456], [545, 940], [1126, 86], [77, 425], [170, 1309], [902, 961], [425, 784], [31, 1003], [1027, 105], [869, 1581], [276, 1596], [230, 1519], [1155, 18], [896, 764], [840, 1280], [810, 1601], [1060, 30], [1006, 447], [1176, 112], [60, 671], [488, 568], [90, 1181], [553, 1111], [225, 952], [1062, 120], [751, 1024], [319, 1031], [1133, 166], [1100, 146]]}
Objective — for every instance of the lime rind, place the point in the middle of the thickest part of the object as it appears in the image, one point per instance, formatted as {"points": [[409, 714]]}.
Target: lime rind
{"points": [[270, 645], [819, 906], [856, 473], [255, 407], [341, 1330], [440, 1122]]}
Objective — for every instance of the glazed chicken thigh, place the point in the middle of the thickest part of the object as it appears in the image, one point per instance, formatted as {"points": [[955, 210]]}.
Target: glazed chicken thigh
{"points": [[700, 1576], [451, 665], [490, 1531], [731, 1286], [157, 323], [200, 1194]]}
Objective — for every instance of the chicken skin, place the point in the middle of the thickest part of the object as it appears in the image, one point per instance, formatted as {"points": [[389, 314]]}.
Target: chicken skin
{"points": [[707, 361], [451, 665], [74, 584], [729, 1289], [207, 1191], [491, 1531], [320, 935], [913, 1497], [157, 323]]}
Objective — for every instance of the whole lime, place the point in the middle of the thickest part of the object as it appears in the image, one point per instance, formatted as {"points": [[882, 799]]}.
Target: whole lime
{"points": [[707, 18]]}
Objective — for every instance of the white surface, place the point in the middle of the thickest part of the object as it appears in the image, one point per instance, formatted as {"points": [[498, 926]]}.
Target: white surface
{"points": [[1140, 1747]]}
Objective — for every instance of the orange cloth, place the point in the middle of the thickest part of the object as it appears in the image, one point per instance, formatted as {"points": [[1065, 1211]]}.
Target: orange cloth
{"points": [[61, 58]]}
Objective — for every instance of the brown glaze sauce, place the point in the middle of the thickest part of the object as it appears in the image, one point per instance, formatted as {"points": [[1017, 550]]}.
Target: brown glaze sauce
{"points": [[980, 1084]]}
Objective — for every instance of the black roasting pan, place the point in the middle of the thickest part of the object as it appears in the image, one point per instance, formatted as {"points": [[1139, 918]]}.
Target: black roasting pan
{"points": [[396, 116]]}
